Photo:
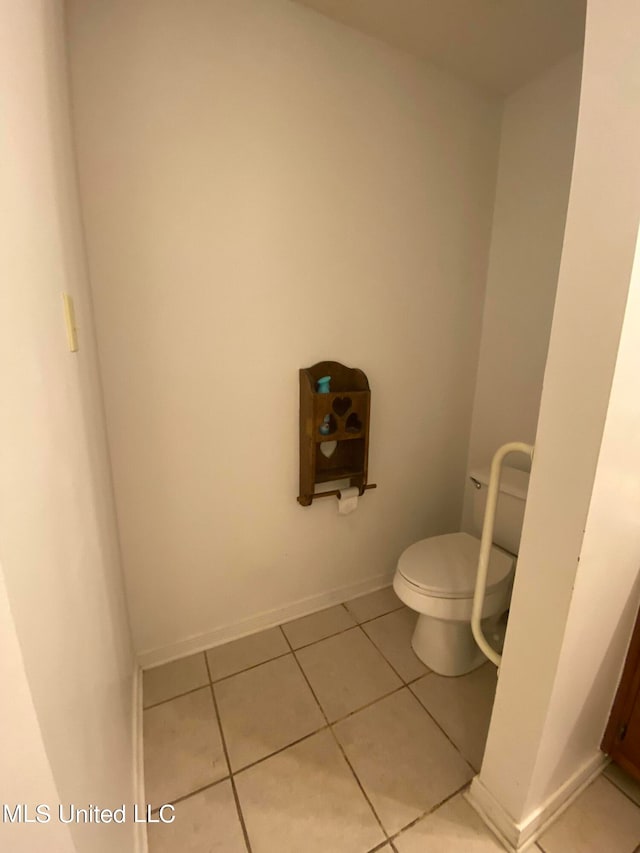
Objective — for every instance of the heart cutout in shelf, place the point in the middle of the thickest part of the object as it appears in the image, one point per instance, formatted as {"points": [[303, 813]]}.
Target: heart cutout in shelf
{"points": [[341, 405], [353, 424]]}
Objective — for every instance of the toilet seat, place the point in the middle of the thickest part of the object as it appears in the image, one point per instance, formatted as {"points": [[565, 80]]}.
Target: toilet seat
{"points": [[446, 566]]}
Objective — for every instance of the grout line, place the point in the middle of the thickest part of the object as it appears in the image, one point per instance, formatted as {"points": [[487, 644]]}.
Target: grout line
{"points": [[444, 732], [177, 696], [193, 793], [321, 639], [226, 755], [373, 618], [246, 669], [380, 652], [618, 788], [316, 731], [368, 705], [212, 680], [429, 811], [424, 675], [380, 846], [356, 624], [278, 751], [339, 745]]}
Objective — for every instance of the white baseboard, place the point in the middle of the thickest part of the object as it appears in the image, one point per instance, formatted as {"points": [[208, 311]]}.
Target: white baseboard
{"points": [[519, 836], [259, 622], [140, 840]]}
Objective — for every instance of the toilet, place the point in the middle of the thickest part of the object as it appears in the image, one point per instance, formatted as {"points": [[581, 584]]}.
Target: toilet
{"points": [[436, 577]]}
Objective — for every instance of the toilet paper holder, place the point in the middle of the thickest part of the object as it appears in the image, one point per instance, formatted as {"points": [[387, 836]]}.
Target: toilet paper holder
{"points": [[338, 492]]}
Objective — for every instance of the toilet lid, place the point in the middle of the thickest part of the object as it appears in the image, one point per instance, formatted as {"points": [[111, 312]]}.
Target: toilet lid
{"points": [[446, 566]]}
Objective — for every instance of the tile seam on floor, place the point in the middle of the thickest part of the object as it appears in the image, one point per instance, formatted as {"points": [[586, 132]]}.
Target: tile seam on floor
{"points": [[276, 657], [404, 684], [341, 631], [356, 624], [177, 696], [278, 751], [428, 812], [316, 731], [339, 745], [226, 755], [247, 668], [424, 675], [380, 846], [193, 793], [454, 745], [338, 720], [618, 788], [320, 639], [378, 616], [380, 652]]}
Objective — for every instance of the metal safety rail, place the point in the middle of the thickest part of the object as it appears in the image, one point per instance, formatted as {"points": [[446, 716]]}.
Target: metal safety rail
{"points": [[487, 541]]}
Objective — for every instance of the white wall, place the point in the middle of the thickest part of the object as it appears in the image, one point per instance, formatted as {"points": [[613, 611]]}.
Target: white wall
{"points": [[534, 172], [58, 538], [577, 587], [265, 188], [25, 773]]}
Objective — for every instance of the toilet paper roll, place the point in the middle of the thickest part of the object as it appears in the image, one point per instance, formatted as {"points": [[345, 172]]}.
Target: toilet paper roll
{"points": [[348, 500]]}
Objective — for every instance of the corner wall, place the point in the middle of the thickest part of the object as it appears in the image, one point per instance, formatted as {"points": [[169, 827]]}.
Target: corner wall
{"points": [[58, 540], [537, 143], [264, 189], [577, 583]]}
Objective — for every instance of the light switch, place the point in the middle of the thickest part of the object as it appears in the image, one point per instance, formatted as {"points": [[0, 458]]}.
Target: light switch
{"points": [[70, 320]]}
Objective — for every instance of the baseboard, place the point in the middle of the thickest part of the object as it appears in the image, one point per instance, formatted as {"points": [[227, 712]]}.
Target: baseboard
{"points": [[519, 836], [140, 829], [259, 622]]}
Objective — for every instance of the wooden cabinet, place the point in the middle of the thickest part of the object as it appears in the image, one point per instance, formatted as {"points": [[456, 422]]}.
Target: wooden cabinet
{"points": [[622, 736], [337, 421]]}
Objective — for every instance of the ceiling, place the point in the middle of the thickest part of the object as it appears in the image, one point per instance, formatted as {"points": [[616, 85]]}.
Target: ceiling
{"points": [[498, 44]]}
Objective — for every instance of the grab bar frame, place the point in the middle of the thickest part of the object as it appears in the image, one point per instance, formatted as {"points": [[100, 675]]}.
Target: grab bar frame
{"points": [[486, 543]]}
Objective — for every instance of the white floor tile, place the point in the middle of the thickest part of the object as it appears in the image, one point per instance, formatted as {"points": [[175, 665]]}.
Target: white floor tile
{"points": [[265, 709], [173, 679], [347, 672], [601, 819], [306, 799], [317, 626], [453, 828], [622, 780], [182, 747], [204, 823], [392, 634], [374, 604], [462, 706], [249, 651], [404, 762]]}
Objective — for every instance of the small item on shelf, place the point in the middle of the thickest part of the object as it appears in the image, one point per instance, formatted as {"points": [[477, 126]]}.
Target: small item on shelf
{"points": [[325, 426], [322, 387]]}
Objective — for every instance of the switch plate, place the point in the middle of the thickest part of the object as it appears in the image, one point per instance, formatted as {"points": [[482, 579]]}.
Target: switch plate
{"points": [[70, 321]]}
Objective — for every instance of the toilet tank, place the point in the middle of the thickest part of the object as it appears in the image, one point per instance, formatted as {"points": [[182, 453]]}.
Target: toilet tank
{"points": [[511, 502]]}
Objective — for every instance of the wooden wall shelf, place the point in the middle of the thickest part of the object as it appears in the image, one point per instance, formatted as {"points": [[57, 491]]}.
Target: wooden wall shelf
{"points": [[344, 412]]}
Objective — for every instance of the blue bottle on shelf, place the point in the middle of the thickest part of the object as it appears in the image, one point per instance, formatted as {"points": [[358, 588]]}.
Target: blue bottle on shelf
{"points": [[322, 385]]}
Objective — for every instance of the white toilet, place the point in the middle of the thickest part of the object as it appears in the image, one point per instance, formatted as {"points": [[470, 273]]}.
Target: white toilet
{"points": [[437, 576]]}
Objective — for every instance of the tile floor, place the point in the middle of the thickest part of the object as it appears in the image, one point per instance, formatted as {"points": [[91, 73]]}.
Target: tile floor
{"points": [[328, 735]]}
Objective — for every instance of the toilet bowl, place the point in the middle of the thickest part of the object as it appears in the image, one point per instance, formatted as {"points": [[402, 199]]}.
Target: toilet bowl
{"points": [[436, 577]]}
